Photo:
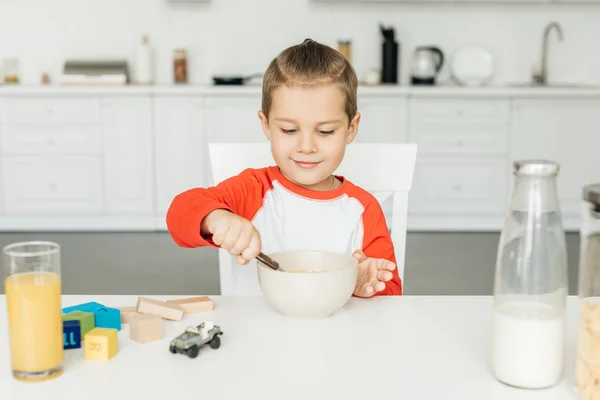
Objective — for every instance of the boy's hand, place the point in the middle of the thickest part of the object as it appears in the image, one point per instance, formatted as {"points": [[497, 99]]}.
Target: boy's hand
{"points": [[233, 233], [373, 273]]}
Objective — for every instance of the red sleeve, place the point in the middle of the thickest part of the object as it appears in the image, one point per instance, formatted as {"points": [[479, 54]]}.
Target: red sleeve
{"points": [[242, 195], [377, 242]]}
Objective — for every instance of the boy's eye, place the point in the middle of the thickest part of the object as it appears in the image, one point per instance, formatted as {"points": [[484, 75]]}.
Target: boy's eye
{"points": [[327, 132], [288, 130]]}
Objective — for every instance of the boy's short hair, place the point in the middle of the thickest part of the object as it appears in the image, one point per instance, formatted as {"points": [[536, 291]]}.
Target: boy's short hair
{"points": [[310, 64]]}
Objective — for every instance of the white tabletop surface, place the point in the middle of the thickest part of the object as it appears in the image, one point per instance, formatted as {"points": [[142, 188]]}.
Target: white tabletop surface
{"points": [[430, 347]]}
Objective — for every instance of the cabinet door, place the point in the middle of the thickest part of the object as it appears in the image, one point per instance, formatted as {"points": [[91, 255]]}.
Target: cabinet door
{"points": [[383, 119], [563, 130], [230, 120], [49, 185], [128, 155], [233, 119], [180, 154]]}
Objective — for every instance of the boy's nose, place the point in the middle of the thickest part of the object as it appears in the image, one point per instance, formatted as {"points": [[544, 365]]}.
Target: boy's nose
{"points": [[306, 143]]}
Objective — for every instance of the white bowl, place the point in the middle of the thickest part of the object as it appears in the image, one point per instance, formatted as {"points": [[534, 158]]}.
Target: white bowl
{"points": [[325, 288]]}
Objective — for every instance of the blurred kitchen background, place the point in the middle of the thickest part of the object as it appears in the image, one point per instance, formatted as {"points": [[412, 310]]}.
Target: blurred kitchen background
{"points": [[106, 109]]}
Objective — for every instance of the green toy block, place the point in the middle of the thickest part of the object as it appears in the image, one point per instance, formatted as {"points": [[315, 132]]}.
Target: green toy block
{"points": [[86, 320]]}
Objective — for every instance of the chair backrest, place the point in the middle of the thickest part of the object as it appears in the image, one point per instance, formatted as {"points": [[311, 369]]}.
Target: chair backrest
{"points": [[384, 169]]}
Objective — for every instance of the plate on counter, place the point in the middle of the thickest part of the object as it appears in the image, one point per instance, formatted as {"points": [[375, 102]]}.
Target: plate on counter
{"points": [[472, 65]]}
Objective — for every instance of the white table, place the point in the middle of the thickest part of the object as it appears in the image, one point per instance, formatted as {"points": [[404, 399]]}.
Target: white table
{"points": [[411, 348]]}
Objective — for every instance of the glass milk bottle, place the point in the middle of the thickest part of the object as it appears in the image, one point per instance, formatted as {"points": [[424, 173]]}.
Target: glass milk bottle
{"points": [[530, 282], [587, 358]]}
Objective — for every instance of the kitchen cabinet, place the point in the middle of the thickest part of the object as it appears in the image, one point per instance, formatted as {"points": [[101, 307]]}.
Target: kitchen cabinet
{"points": [[76, 162], [114, 158], [382, 120], [128, 155], [179, 143], [564, 130], [460, 180]]}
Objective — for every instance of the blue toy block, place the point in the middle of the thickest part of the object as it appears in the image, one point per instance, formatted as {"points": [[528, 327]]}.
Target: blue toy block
{"points": [[92, 306], [71, 334], [107, 317]]}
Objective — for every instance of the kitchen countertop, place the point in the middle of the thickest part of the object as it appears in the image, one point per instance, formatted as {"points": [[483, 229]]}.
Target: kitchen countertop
{"points": [[255, 90], [409, 347]]}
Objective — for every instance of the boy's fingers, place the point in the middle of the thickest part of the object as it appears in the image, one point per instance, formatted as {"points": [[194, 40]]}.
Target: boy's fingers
{"points": [[379, 286], [253, 248], [386, 265], [384, 275], [359, 255], [241, 260]]}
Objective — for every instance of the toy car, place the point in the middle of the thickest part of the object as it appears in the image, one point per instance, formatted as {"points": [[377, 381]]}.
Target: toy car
{"points": [[189, 342]]}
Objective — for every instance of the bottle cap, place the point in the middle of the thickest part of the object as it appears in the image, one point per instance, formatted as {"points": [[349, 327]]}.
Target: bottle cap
{"points": [[591, 193], [535, 168]]}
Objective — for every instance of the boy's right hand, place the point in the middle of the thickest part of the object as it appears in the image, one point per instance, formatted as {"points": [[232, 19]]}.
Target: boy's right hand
{"points": [[233, 233]]}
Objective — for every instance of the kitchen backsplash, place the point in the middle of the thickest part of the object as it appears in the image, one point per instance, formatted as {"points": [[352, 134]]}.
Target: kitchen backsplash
{"points": [[241, 37]]}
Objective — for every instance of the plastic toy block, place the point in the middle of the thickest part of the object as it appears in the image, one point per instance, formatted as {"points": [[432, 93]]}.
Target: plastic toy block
{"points": [[87, 320], [71, 334], [107, 317], [128, 313], [87, 307], [159, 308], [146, 328], [101, 344], [194, 304]]}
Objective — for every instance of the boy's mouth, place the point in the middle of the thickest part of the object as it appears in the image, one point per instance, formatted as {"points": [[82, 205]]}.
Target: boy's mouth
{"points": [[306, 164]]}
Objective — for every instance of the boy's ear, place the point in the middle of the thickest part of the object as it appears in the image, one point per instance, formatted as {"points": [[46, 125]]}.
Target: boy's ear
{"points": [[265, 124], [353, 128]]}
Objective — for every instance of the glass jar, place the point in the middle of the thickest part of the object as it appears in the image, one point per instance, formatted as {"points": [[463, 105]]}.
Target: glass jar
{"points": [[530, 283], [345, 47], [11, 71], [587, 359], [180, 66]]}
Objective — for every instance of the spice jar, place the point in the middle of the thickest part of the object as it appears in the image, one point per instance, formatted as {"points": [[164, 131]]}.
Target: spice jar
{"points": [[11, 70], [345, 47], [530, 283], [587, 359], [180, 66]]}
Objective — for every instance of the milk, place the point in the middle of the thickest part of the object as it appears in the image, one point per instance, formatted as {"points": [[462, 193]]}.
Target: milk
{"points": [[528, 344]]}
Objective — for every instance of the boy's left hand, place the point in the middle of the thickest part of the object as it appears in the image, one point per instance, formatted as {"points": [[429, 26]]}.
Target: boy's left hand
{"points": [[373, 273]]}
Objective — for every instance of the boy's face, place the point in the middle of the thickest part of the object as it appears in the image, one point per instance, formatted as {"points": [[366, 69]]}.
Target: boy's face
{"points": [[309, 131]]}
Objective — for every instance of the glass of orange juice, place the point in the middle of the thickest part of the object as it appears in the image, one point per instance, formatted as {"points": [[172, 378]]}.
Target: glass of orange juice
{"points": [[32, 287]]}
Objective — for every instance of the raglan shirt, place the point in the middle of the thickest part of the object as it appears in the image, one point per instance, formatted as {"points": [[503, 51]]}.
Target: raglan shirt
{"points": [[288, 217]]}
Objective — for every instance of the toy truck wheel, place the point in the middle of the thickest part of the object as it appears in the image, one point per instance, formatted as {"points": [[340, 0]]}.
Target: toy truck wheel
{"points": [[215, 343], [172, 349], [192, 352]]}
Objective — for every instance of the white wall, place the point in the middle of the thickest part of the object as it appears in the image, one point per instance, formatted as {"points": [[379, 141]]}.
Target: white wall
{"points": [[241, 36]]}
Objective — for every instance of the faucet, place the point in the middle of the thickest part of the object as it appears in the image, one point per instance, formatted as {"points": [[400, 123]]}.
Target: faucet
{"points": [[541, 78]]}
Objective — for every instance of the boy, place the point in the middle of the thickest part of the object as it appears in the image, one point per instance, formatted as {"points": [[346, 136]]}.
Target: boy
{"points": [[309, 115]]}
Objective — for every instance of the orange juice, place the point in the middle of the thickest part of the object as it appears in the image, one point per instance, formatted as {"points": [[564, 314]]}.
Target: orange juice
{"points": [[35, 325]]}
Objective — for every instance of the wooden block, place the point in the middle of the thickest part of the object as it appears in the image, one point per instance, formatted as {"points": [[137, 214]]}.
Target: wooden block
{"points": [[146, 328], [71, 334], [194, 304], [127, 313], [107, 317], [101, 344], [159, 308], [86, 320]]}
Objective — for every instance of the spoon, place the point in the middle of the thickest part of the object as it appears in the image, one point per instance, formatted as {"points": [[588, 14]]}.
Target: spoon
{"points": [[268, 261]]}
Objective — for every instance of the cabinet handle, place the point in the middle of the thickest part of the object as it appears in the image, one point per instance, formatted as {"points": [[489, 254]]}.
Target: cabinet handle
{"points": [[50, 142], [458, 143], [49, 111], [457, 187], [53, 187]]}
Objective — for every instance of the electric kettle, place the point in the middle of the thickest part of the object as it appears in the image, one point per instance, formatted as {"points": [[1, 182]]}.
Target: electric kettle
{"points": [[426, 63]]}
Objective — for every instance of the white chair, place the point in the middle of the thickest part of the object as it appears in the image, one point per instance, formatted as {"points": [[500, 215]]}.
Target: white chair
{"points": [[384, 169]]}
